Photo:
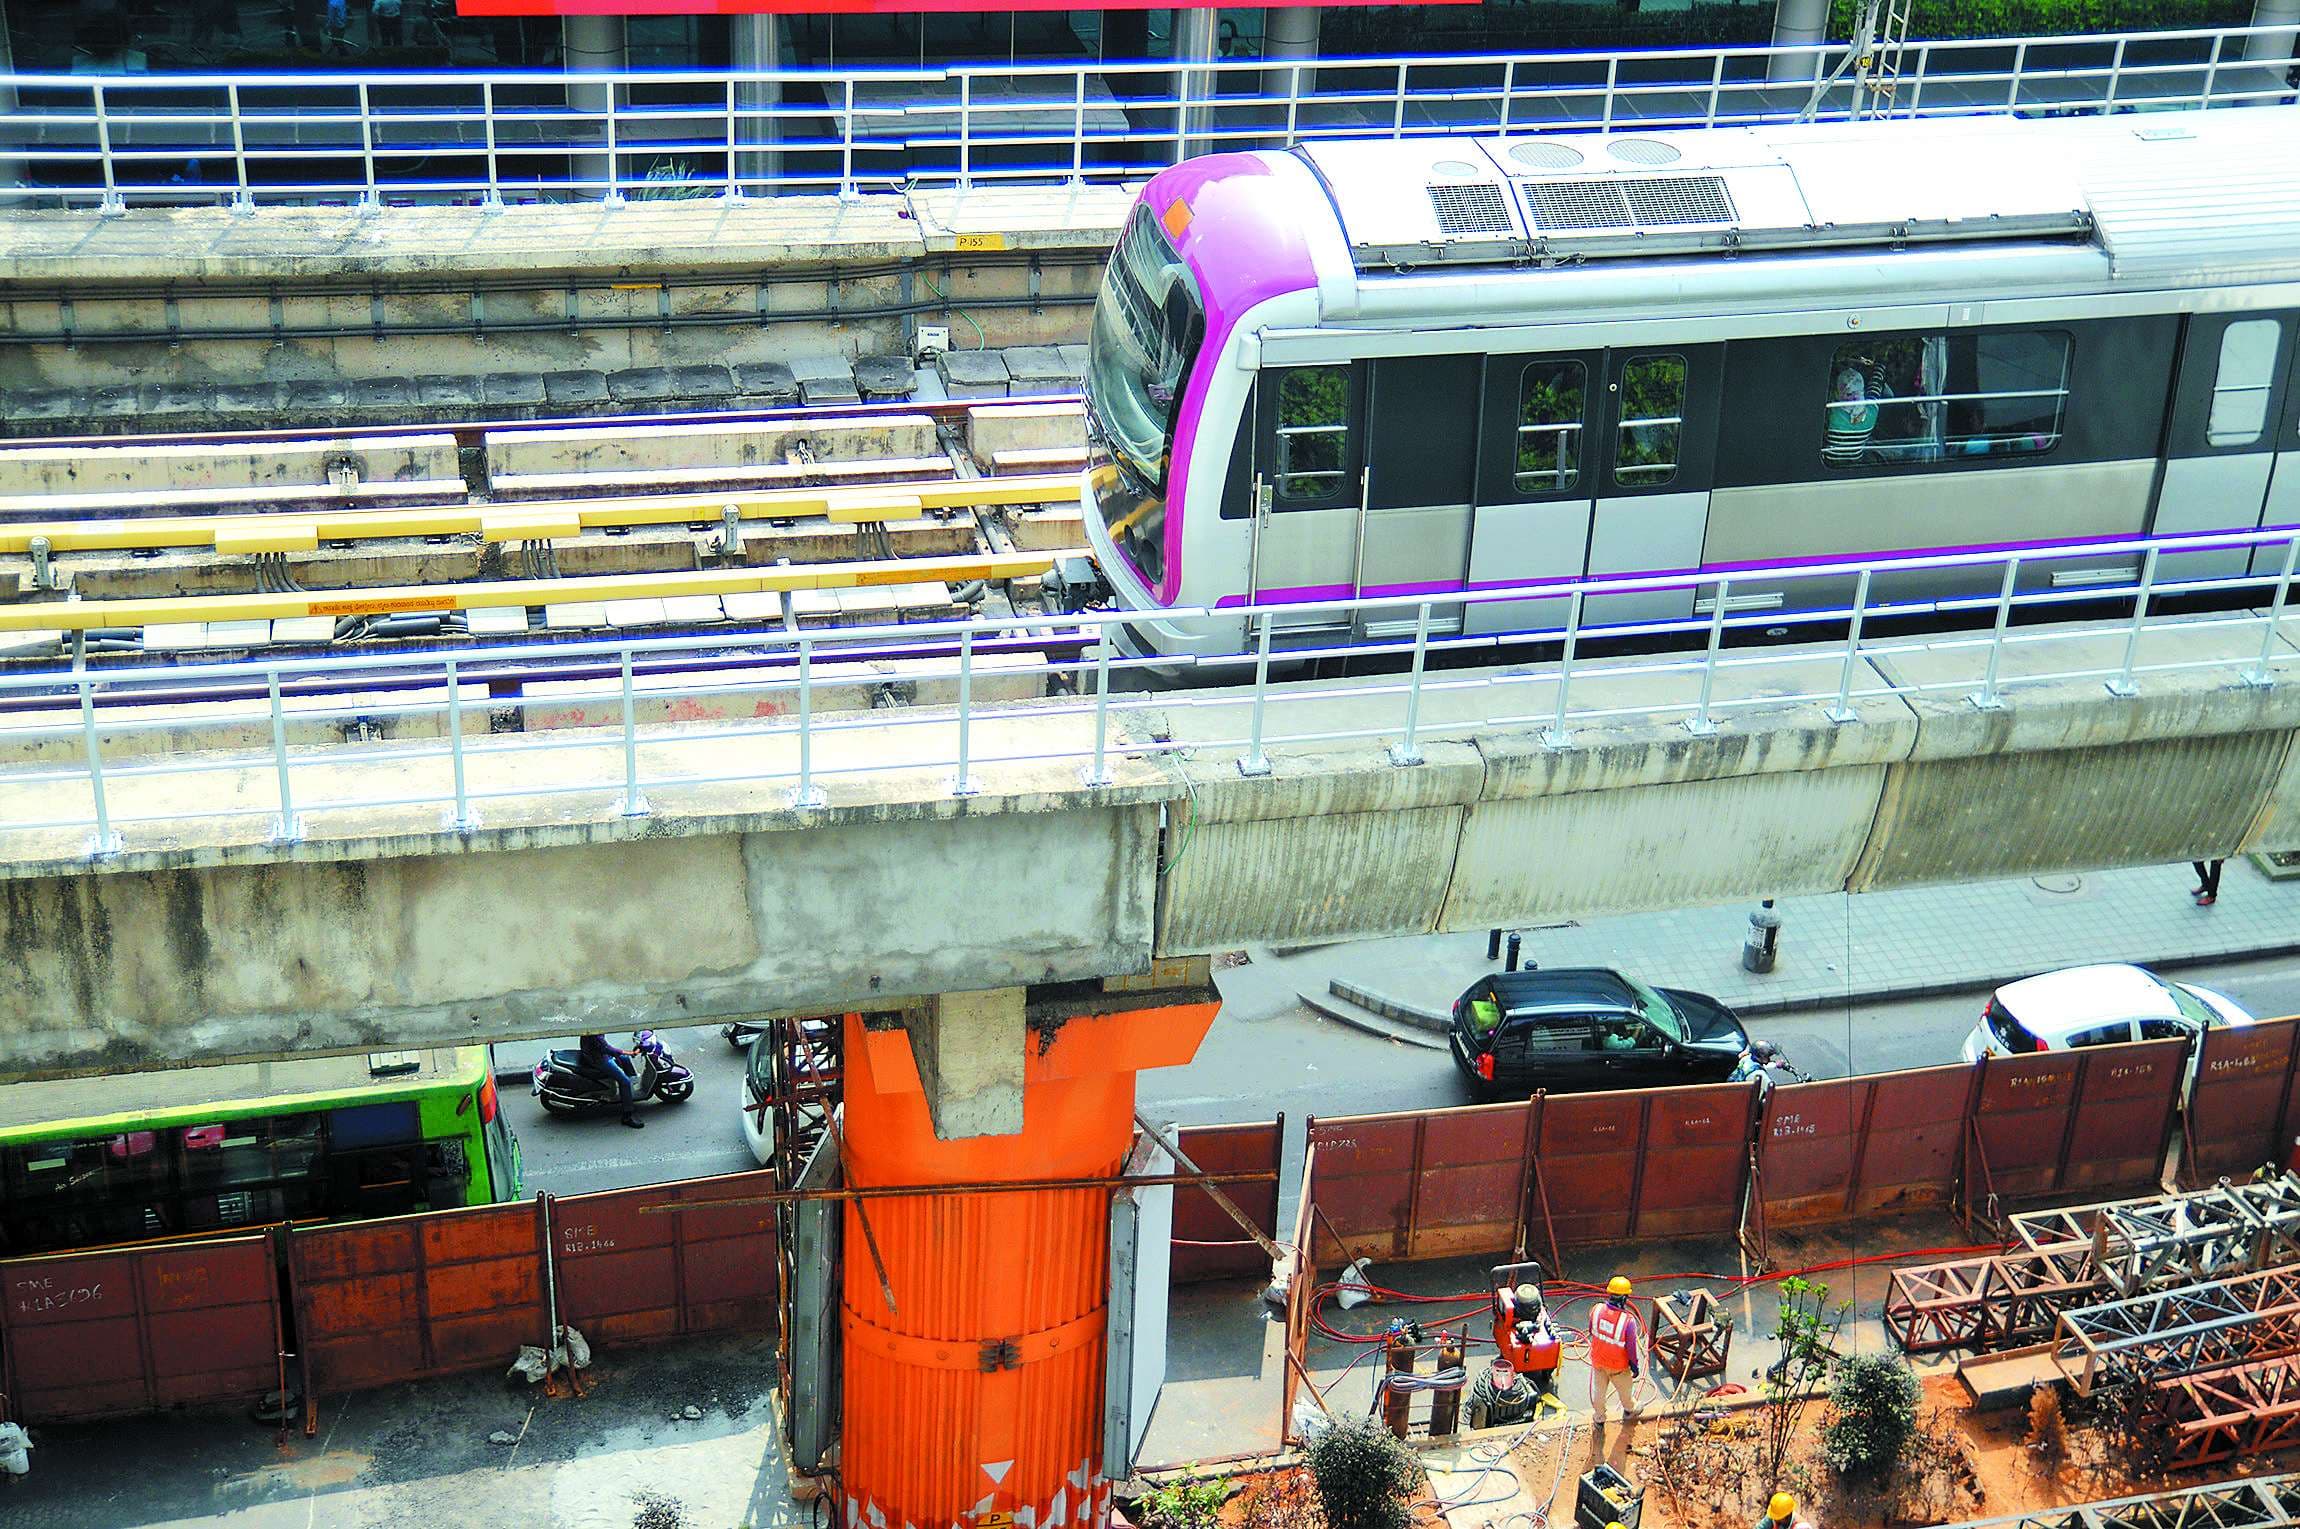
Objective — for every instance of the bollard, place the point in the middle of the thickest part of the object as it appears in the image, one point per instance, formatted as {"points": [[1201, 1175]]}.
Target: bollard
{"points": [[1396, 1399], [1516, 940], [1763, 945], [1493, 945], [1445, 1406]]}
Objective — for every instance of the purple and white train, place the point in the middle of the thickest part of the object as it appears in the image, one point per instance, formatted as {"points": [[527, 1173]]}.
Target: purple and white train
{"points": [[1404, 367]]}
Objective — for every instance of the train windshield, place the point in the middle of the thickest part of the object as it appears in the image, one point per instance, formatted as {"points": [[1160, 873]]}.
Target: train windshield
{"points": [[1147, 326]]}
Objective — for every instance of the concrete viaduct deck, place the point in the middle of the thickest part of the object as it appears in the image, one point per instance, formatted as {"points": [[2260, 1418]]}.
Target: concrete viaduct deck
{"points": [[207, 936]]}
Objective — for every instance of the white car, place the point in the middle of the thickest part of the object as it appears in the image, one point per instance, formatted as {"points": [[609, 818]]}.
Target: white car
{"points": [[2097, 1006]]}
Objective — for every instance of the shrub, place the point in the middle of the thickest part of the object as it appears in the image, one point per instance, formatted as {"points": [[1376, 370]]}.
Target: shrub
{"points": [[1186, 1502], [1873, 1405], [1364, 1474]]}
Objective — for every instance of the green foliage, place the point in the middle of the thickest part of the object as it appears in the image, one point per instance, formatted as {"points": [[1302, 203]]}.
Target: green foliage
{"points": [[1873, 1413], [2046, 18], [1365, 1475], [1186, 1502], [1806, 1329]]}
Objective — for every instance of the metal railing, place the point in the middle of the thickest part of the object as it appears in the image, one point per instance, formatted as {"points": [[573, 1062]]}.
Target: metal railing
{"points": [[488, 138], [792, 742]]}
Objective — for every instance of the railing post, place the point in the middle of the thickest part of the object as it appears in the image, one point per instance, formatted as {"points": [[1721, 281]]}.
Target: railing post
{"points": [[1986, 698], [964, 783], [847, 190], [459, 817], [806, 793], [965, 129], [243, 201], [2020, 66], [1078, 131], [1716, 90], [1558, 736], [370, 197], [111, 205], [1843, 711], [614, 194], [287, 828], [1924, 68], [2122, 686], [634, 803], [1398, 108], [494, 201], [107, 842], [1407, 750], [1508, 94], [734, 191], [2211, 70], [1256, 762], [1098, 773], [1699, 724], [1293, 102], [1612, 77], [2260, 676], [2115, 78]]}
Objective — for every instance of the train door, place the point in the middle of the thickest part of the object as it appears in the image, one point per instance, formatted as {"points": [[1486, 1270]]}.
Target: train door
{"points": [[1421, 469], [1656, 424], [1309, 487], [1534, 487], [2283, 508], [2221, 450]]}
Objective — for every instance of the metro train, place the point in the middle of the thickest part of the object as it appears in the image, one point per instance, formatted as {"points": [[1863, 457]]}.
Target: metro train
{"points": [[1422, 366]]}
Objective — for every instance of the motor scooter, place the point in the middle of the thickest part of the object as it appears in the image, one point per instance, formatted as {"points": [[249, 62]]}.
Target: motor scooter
{"points": [[564, 1088]]}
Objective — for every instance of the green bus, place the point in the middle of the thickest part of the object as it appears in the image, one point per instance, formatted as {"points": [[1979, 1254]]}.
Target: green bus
{"points": [[191, 1152]]}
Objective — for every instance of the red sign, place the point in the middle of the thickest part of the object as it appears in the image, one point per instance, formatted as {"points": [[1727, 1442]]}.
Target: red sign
{"points": [[819, 7]]}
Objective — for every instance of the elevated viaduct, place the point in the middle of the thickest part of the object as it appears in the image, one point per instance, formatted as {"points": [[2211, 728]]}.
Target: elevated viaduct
{"points": [[208, 936]]}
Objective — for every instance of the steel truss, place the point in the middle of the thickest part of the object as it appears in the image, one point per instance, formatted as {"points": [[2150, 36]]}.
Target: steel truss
{"points": [[1994, 1301], [2183, 1330], [2165, 1240], [2272, 1502], [2220, 1414]]}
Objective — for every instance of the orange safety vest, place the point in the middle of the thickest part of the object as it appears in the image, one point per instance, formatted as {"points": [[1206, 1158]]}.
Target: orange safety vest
{"points": [[1611, 1333]]}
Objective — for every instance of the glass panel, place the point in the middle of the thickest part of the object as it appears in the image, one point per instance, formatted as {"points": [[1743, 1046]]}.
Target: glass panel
{"points": [[2240, 387], [1652, 419], [1313, 432], [1926, 398], [1550, 403]]}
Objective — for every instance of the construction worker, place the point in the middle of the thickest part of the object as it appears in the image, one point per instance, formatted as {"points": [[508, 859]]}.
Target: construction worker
{"points": [[1615, 1340], [1778, 1512]]}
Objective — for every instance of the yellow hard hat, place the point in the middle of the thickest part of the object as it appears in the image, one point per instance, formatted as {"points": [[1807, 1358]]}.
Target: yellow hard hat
{"points": [[1781, 1507], [1618, 1285]]}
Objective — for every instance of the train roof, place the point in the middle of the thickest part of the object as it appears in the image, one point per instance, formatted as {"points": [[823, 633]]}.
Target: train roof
{"points": [[2184, 197]]}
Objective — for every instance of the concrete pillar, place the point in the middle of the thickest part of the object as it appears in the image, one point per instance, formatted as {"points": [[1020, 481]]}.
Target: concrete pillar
{"points": [[2273, 47], [1796, 23], [1196, 37], [758, 44], [969, 1049], [1290, 32], [590, 44]]}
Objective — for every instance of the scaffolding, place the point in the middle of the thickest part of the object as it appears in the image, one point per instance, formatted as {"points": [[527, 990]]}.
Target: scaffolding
{"points": [[1990, 1302], [2245, 1409], [2164, 1240], [2272, 1502], [2181, 1331]]}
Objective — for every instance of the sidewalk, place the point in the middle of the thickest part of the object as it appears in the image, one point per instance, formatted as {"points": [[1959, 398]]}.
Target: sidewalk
{"points": [[1836, 949]]}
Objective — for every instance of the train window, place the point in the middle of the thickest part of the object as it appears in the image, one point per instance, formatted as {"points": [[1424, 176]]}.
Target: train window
{"points": [[1550, 396], [2241, 386], [1652, 420], [1931, 398], [1313, 432]]}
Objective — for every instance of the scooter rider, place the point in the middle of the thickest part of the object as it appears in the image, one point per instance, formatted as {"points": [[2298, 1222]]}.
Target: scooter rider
{"points": [[611, 1064]]}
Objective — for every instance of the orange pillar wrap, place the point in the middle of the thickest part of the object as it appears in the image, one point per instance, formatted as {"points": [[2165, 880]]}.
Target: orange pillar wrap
{"points": [[977, 1400]]}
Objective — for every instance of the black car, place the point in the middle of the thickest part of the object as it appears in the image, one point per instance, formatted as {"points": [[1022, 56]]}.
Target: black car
{"points": [[1574, 1029]]}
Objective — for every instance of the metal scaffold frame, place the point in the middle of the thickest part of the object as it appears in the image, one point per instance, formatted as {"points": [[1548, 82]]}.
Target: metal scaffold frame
{"points": [[2272, 1502], [2246, 1409], [1994, 1301], [2182, 1331], [2206, 1234]]}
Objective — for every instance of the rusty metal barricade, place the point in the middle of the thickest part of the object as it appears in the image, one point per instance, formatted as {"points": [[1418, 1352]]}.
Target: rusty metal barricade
{"points": [[2239, 1106], [1424, 1185], [1207, 1244], [630, 1268], [417, 1296], [92, 1335]]}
